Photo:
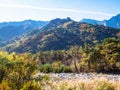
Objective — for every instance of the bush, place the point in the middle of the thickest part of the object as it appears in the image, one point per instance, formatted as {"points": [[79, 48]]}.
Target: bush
{"points": [[66, 69], [46, 68], [55, 67], [45, 77], [31, 85], [58, 67], [4, 86]]}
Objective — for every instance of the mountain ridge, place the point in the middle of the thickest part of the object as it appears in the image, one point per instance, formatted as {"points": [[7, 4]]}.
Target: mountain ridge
{"points": [[8, 30], [62, 34], [113, 22]]}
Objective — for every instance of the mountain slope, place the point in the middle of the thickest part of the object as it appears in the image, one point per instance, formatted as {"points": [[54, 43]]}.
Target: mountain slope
{"points": [[113, 22], [90, 21], [52, 24], [61, 34], [9, 30]]}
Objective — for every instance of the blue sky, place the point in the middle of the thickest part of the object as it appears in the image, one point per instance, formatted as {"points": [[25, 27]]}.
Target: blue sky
{"points": [[18, 10]]}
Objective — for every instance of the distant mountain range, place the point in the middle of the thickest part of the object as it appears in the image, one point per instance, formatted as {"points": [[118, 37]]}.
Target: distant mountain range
{"points": [[60, 34], [32, 36], [9, 30], [113, 22]]}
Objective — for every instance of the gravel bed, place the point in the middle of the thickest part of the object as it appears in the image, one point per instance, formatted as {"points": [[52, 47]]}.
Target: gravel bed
{"points": [[83, 76]]}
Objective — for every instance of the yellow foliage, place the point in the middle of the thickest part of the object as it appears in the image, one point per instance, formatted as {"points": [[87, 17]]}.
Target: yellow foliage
{"points": [[4, 86]]}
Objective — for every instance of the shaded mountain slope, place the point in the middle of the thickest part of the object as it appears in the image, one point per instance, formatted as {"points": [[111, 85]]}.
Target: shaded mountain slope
{"points": [[10, 30]]}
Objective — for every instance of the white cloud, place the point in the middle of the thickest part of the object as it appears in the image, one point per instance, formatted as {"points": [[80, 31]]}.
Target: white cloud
{"points": [[55, 9]]}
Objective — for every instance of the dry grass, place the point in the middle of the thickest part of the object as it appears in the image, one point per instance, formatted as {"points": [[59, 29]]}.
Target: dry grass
{"points": [[82, 84]]}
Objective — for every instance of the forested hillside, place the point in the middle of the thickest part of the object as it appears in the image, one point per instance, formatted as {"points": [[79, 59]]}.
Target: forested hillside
{"points": [[61, 34]]}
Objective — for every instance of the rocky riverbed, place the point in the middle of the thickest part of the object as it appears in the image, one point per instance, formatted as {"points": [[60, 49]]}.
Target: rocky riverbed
{"points": [[83, 76], [86, 81]]}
